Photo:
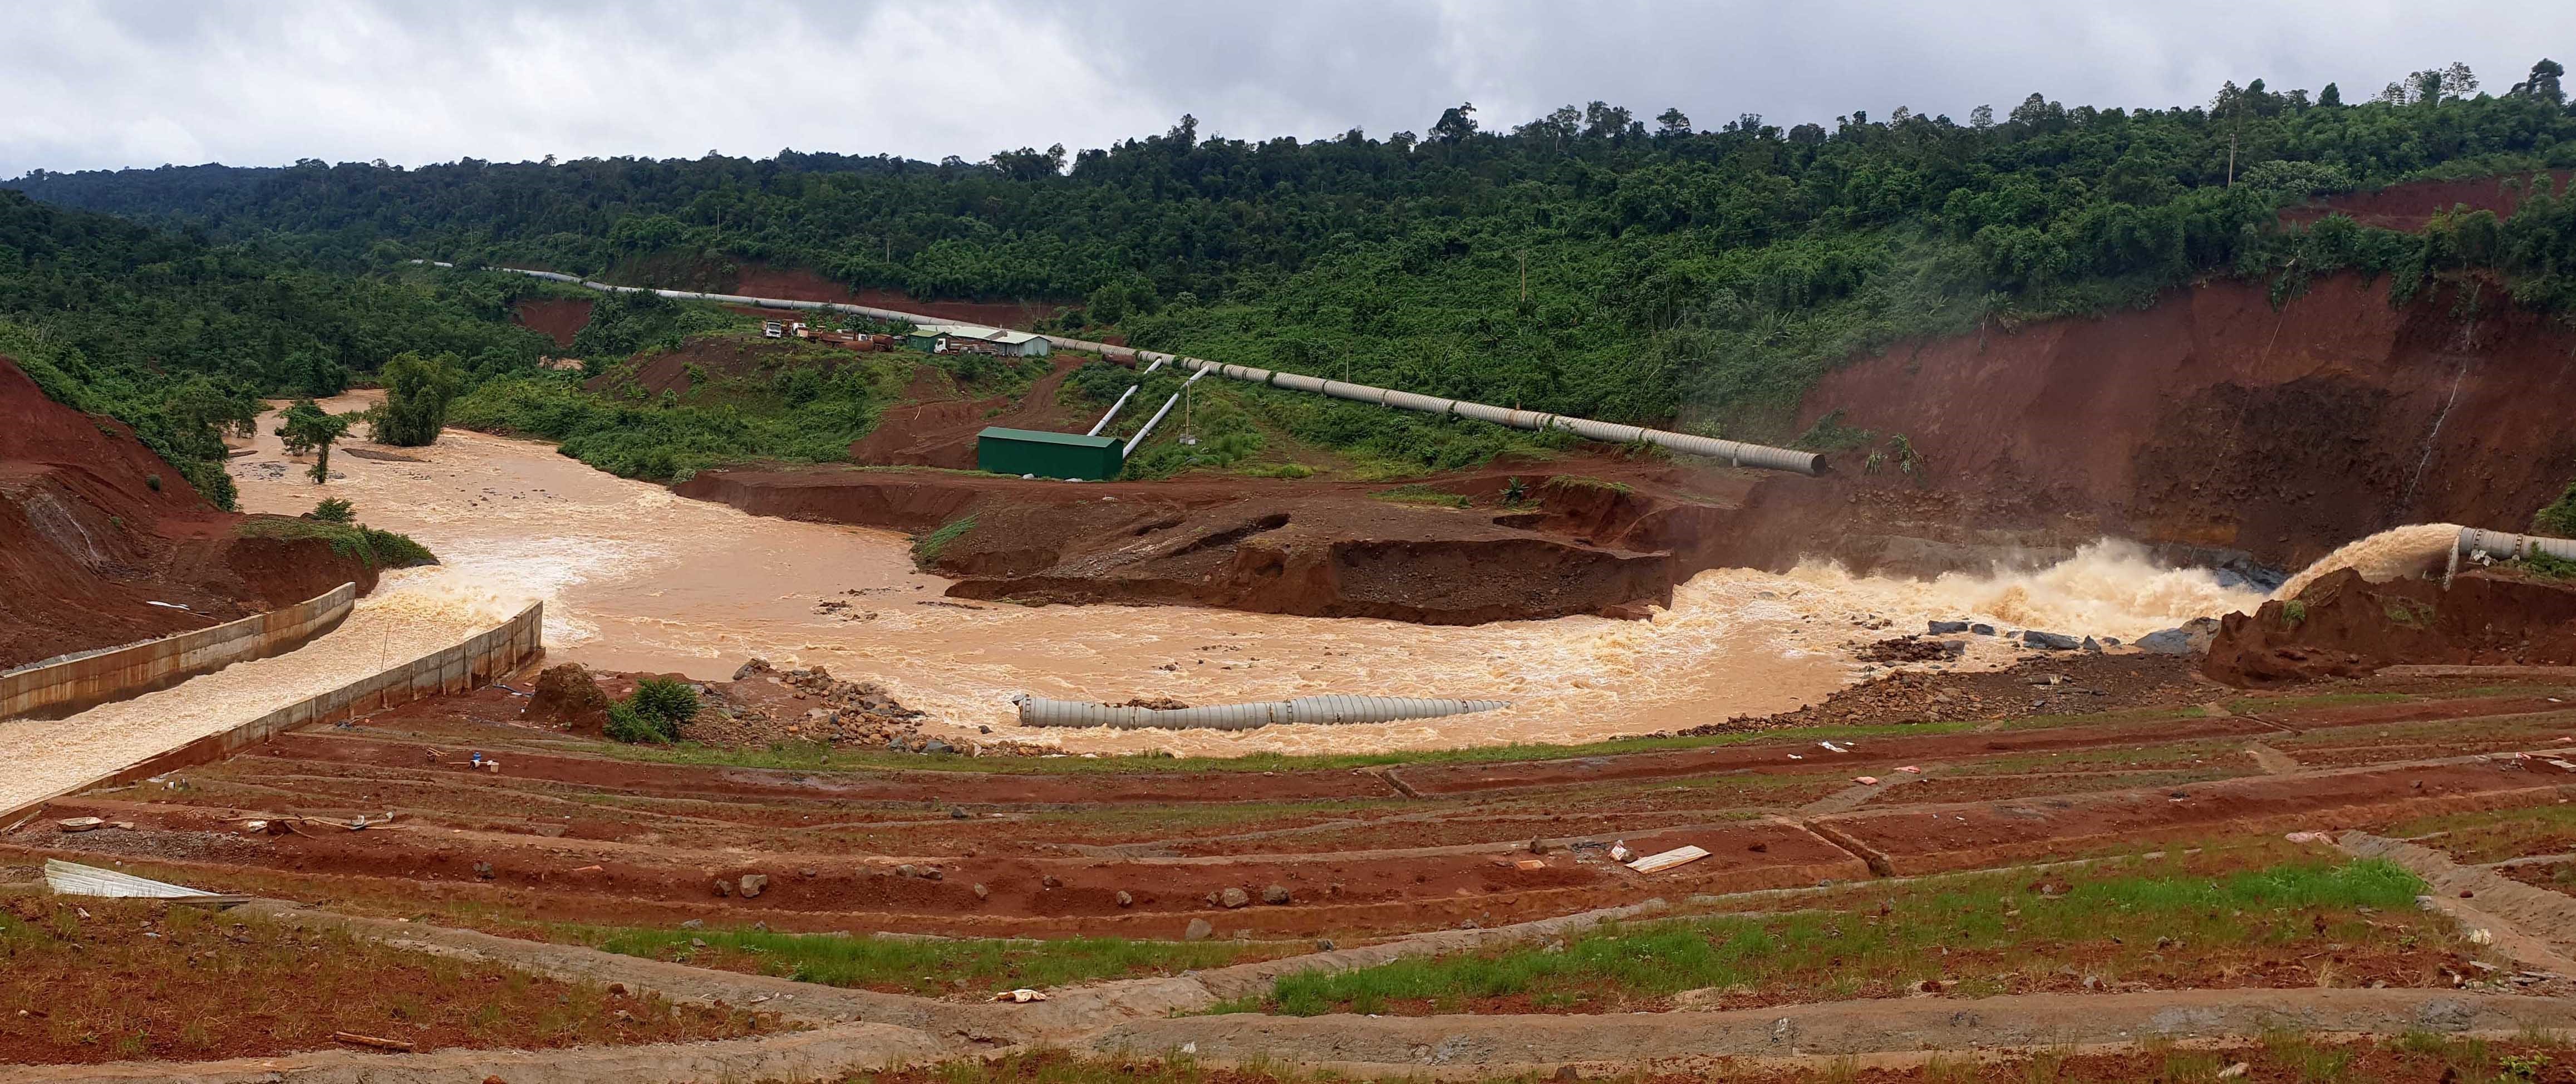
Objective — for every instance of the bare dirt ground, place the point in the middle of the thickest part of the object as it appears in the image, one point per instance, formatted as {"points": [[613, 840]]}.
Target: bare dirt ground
{"points": [[571, 833]]}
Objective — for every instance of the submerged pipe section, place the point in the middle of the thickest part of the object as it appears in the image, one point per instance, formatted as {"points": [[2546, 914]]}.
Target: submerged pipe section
{"points": [[1734, 453], [1310, 710]]}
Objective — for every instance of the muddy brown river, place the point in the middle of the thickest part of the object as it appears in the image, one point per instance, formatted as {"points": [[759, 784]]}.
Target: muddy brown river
{"points": [[634, 578]]}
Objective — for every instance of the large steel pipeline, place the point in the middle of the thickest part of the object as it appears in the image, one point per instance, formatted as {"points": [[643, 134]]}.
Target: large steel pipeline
{"points": [[1310, 710], [2502, 546], [1734, 453]]}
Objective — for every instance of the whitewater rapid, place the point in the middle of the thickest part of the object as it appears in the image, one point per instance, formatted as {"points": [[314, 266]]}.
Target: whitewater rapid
{"points": [[635, 578]]}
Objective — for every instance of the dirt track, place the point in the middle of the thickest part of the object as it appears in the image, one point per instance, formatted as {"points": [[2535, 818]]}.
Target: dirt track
{"points": [[563, 834]]}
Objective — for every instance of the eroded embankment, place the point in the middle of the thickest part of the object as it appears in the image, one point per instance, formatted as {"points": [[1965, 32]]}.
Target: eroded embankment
{"points": [[2210, 420], [2343, 625], [95, 529], [1575, 545]]}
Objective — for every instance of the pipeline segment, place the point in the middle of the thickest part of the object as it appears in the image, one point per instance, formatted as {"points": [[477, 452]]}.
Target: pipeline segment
{"points": [[1310, 710], [2503, 546], [1733, 453]]}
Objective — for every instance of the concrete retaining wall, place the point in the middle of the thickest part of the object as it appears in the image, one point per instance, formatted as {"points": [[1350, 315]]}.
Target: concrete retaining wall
{"points": [[62, 686], [484, 657]]}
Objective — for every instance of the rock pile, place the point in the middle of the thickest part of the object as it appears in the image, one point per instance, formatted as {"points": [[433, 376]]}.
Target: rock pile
{"points": [[763, 704]]}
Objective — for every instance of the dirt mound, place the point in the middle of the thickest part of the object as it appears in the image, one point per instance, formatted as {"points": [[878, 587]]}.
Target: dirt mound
{"points": [[568, 697], [557, 318], [95, 529], [713, 357], [2345, 626], [2055, 683], [936, 428], [2409, 206], [2211, 422], [1578, 546]]}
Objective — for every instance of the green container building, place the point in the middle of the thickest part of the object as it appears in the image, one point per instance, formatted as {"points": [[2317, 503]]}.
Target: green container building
{"points": [[1048, 455]]}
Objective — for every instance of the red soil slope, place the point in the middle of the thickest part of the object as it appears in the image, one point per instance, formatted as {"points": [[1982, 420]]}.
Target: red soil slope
{"points": [[2209, 420], [799, 284], [2409, 206], [87, 541], [2344, 626], [1324, 549], [558, 318]]}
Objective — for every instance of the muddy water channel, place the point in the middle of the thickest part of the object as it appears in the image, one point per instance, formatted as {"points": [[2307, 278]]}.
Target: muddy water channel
{"points": [[635, 578]]}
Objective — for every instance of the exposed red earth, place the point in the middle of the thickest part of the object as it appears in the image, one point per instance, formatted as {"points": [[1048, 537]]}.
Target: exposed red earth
{"points": [[557, 318], [2211, 420], [94, 528], [2345, 626], [1609, 542], [2409, 206], [563, 833]]}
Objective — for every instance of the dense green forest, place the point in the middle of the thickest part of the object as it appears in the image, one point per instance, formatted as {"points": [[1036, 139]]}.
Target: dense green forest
{"points": [[1589, 261], [179, 337], [1671, 272]]}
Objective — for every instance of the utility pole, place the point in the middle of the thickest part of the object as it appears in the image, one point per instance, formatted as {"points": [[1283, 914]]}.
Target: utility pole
{"points": [[1525, 276], [2231, 159]]}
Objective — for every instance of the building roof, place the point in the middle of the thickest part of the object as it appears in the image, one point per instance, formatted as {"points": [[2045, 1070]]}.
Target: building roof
{"points": [[1040, 436], [971, 331]]}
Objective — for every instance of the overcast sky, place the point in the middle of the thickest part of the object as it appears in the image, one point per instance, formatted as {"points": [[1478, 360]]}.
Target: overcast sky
{"points": [[265, 82]]}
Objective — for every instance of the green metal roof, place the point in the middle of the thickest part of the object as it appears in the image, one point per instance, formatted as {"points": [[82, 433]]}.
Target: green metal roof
{"points": [[1039, 436]]}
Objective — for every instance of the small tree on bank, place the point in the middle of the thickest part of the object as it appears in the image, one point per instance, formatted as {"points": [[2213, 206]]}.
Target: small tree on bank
{"points": [[305, 427], [417, 392]]}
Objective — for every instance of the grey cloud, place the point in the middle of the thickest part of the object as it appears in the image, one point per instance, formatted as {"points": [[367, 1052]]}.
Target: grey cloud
{"points": [[151, 81]]}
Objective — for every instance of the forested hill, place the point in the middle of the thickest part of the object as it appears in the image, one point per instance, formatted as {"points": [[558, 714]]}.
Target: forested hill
{"points": [[1589, 261], [179, 337]]}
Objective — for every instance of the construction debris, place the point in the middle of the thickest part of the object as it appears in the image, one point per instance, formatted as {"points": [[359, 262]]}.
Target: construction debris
{"points": [[1678, 856], [73, 879], [1020, 996], [81, 824], [370, 1040]]}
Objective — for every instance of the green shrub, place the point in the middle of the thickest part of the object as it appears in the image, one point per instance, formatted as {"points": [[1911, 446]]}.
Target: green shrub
{"points": [[333, 510], [654, 712], [2560, 517], [377, 549]]}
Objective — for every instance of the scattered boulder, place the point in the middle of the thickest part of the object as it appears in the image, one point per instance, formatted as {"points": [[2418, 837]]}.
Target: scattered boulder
{"points": [[1125, 900], [1233, 897], [568, 696], [2166, 642], [1982, 629], [2049, 641], [1200, 930], [1945, 628], [720, 888], [1275, 895], [754, 884], [982, 892], [2092, 645]]}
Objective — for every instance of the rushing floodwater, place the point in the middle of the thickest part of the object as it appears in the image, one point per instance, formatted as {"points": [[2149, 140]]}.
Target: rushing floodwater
{"points": [[635, 578]]}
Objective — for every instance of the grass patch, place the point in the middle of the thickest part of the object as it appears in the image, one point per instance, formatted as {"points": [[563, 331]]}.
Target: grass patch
{"points": [[928, 547], [2256, 705], [2495, 835], [1986, 935], [928, 968], [374, 548], [1419, 493], [1577, 481]]}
